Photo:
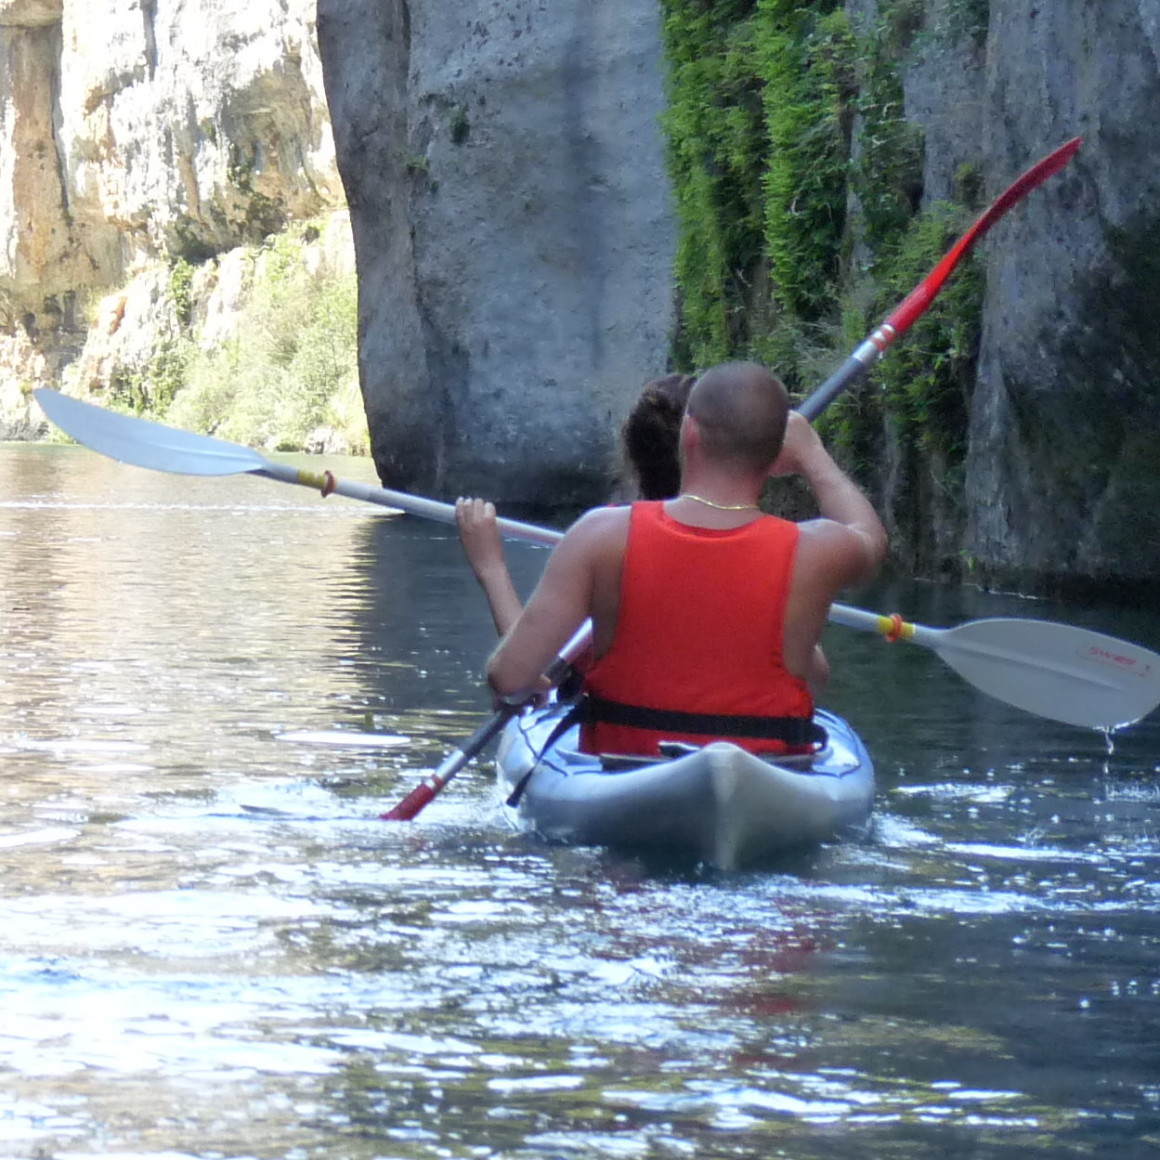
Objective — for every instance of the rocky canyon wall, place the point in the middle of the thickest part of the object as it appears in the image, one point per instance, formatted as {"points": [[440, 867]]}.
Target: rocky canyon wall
{"points": [[505, 172], [1063, 481], [515, 231], [135, 134], [1062, 478]]}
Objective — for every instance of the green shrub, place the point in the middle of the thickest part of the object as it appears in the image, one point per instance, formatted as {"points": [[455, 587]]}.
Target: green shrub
{"points": [[295, 352], [291, 369]]}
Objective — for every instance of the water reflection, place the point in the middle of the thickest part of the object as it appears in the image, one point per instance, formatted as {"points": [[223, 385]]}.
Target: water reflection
{"points": [[212, 947]]}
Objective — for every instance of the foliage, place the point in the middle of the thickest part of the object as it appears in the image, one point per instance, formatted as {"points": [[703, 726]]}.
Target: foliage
{"points": [[716, 141], [150, 388], [887, 178], [295, 351], [968, 18], [757, 150], [799, 187], [805, 54], [290, 370], [927, 379], [181, 291]]}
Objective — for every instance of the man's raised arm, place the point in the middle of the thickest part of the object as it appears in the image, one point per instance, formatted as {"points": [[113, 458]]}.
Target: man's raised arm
{"points": [[857, 540]]}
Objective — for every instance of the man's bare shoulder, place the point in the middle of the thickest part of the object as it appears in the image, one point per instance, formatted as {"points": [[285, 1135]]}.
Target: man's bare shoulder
{"points": [[837, 549], [598, 535], [597, 524]]}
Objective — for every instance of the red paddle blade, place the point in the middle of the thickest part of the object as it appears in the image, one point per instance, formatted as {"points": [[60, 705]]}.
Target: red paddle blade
{"points": [[412, 804], [920, 297]]}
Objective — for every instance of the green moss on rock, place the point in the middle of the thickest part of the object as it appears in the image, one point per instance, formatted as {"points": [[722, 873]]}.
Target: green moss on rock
{"points": [[799, 185]]}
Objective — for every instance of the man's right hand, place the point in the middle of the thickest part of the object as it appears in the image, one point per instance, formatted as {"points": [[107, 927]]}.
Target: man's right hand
{"points": [[799, 449]]}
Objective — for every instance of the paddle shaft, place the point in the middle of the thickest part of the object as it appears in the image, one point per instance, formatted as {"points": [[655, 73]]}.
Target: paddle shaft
{"points": [[429, 509], [912, 306], [434, 783]]}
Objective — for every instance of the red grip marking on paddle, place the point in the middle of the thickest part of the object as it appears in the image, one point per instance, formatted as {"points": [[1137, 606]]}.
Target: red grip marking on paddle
{"points": [[329, 483], [896, 627]]}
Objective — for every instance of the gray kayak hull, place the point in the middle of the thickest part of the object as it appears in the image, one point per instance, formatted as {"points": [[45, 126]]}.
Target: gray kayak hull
{"points": [[719, 805]]}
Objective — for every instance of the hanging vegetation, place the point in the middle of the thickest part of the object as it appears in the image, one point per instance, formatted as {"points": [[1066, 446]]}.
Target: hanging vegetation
{"points": [[799, 187]]}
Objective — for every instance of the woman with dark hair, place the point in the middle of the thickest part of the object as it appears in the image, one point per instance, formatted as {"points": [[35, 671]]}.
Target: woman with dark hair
{"points": [[649, 465], [648, 438]]}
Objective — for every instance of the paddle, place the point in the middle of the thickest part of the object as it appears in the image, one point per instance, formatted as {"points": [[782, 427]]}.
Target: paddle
{"points": [[153, 445], [143, 443], [913, 305], [1054, 670], [433, 784], [1064, 673]]}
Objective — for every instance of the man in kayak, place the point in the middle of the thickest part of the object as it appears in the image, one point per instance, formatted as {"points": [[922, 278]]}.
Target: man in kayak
{"points": [[706, 613]]}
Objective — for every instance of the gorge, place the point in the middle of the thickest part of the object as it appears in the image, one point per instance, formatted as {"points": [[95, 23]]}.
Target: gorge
{"points": [[549, 203]]}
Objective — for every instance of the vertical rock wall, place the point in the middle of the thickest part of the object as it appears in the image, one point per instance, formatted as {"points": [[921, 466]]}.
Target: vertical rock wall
{"points": [[1062, 484], [1064, 477], [514, 233]]}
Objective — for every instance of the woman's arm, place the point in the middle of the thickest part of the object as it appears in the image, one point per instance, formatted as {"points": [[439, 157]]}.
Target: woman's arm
{"points": [[479, 535]]}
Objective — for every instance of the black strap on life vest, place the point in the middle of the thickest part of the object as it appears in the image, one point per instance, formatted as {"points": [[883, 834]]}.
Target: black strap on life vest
{"points": [[795, 732]]}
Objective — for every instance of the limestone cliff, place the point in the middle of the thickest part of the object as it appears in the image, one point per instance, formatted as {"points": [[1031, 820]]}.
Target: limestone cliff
{"points": [[516, 237], [505, 172], [831, 150], [136, 134], [1064, 477], [1062, 482]]}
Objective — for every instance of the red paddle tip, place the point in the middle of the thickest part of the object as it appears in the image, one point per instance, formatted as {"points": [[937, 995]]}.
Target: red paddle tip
{"points": [[923, 294], [1054, 162], [410, 806]]}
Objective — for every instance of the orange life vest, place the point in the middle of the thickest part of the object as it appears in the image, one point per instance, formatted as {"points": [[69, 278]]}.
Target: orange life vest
{"points": [[699, 633]]}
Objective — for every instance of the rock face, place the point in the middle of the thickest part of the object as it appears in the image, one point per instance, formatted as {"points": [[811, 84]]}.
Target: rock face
{"points": [[515, 233], [513, 230], [1063, 471], [136, 132], [1064, 479]]}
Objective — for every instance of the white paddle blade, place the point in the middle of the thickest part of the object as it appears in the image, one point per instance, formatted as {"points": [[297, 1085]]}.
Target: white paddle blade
{"points": [[144, 443], [1063, 673]]}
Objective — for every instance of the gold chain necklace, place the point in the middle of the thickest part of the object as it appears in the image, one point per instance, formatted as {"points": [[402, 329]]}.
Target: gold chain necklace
{"points": [[721, 507]]}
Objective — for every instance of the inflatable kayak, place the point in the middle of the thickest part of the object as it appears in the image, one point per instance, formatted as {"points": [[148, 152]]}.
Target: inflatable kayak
{"points": [[718, 804]]}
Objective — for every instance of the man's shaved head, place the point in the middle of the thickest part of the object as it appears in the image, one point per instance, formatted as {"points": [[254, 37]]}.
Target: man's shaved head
{"points": [[741, 410]]}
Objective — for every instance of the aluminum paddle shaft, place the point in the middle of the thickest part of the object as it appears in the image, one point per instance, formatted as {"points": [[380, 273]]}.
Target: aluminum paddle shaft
{"points": [[434, 782]]}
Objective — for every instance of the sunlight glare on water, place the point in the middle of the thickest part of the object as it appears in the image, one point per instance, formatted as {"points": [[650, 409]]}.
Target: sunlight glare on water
{"points": [[212, 947]]}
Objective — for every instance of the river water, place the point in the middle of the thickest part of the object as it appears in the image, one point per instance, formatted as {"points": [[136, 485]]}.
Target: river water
{"points": [[211, 947]]}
